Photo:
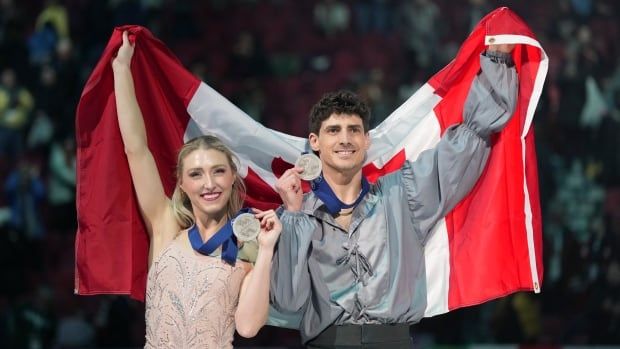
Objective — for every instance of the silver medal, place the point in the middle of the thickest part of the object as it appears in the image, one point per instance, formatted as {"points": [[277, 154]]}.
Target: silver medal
{"points": [[311, 165], [246, 227]]}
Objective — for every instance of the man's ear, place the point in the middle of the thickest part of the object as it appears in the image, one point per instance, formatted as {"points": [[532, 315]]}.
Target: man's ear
{"points": [[314, 141]]}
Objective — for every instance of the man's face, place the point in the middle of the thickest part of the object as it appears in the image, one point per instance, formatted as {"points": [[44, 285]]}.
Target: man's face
{"points": [[342, 143]]}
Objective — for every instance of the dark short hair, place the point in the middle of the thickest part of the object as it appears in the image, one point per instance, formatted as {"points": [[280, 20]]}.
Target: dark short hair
{"points": [[339, 102]]}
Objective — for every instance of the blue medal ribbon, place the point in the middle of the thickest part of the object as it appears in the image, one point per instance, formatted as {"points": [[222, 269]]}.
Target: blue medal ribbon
{"points": [[223, 237], [321, 188]]}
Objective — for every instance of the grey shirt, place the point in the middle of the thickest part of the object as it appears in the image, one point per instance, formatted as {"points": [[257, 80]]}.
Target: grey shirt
{"points": [[375, 271]]}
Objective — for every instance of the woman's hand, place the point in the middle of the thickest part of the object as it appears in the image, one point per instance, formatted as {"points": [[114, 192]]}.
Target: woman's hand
{"points": [[270, 228], [124, 54]]}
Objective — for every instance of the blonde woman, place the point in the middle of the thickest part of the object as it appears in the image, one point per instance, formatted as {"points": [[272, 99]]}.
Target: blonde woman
{"points": [[198, 289]]}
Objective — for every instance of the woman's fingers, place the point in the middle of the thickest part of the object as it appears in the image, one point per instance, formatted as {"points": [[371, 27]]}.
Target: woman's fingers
{"points": [[260, 214]]}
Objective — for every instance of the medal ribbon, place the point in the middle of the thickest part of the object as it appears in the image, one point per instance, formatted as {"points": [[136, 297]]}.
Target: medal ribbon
{"points": [[321, 188], [223, 237]]}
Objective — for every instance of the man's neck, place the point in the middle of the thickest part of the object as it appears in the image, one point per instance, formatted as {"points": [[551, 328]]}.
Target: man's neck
{"points": [[346, 185]]}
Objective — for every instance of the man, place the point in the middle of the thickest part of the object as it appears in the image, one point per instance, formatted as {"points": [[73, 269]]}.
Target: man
{"points": [[351, 257]]}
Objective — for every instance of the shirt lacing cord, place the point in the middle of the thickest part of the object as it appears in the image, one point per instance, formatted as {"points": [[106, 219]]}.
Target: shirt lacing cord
{"points": [[361, 310], [360, 266]]}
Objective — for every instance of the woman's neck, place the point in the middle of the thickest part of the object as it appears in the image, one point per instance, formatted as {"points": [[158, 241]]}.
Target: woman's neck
{"points": [[208, 225]]}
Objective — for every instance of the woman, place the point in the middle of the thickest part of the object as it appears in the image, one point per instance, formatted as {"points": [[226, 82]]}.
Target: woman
{"points": [[197, 289]]}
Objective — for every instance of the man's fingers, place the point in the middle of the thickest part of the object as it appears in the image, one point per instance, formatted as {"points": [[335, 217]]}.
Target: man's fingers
{"points": [[292, 172], [289, 181]]}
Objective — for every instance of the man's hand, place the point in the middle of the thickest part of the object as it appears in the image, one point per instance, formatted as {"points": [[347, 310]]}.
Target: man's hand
{"points": [[289, 188], [505, 48]]}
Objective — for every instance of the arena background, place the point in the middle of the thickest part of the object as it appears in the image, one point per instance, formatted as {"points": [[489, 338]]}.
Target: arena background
{"points": [[274, 59]]}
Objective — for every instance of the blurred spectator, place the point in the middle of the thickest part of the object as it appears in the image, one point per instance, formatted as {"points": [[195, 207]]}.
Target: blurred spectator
{"points": [[16, 103], [376, 95], [578, 201], [251, 99], [55, 15], [49, 94], [332, 16], [61, 186], [420, 27], [583, 8], [612, 94], [607, 327], [248, 58], [25, 192], [41, 44], [517, 319], [477, 10], [595, 106], [52, 25], [40, 133], [373, 16], [12, 45], [34, 320], [74, 331], [67, 79], [116, 325], [50, 101]]}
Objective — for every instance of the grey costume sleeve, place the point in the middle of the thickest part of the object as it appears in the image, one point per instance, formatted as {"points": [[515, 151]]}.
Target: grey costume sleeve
{"points": [[442, 176], [290, 278]]}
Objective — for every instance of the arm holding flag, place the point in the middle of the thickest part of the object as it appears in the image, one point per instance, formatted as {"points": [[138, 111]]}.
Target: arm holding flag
{"points": [[152, 200], [440, 177]]}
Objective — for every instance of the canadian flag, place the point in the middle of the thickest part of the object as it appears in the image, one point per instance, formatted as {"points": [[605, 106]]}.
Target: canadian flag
{"points": [[488, 246]]}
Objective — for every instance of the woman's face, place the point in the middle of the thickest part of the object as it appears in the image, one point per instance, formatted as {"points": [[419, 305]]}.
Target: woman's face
{"points": [[207, 179]]}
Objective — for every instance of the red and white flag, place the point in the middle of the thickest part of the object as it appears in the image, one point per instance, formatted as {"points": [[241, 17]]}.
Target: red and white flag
{"points": [[488, 246]]}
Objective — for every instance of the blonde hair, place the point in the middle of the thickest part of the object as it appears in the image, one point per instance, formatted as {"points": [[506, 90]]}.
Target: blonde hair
{"points": [[181, 205]]}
